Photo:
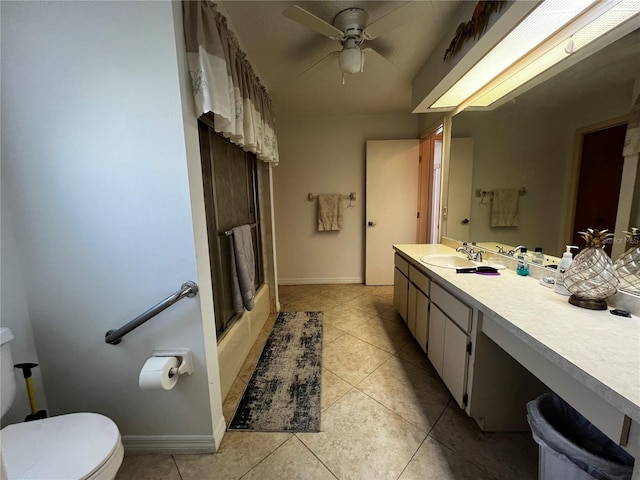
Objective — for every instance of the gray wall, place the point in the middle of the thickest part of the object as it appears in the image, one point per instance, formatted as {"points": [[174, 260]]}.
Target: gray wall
{"points": [[14, 314], [94, 174]]}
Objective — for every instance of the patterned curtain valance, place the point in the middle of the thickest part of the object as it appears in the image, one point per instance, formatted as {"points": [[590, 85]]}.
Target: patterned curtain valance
{"points": [[225, 84]]}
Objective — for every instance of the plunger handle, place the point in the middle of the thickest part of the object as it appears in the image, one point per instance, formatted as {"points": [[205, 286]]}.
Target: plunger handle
{"points": [[26, 372]]}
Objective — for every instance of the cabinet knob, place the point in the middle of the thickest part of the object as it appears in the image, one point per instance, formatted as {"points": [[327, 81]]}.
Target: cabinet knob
{"points": [[371, 224]]}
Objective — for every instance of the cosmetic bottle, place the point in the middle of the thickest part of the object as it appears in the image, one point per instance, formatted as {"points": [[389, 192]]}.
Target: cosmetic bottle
{"points": [[567, 259], [523, 263], [538, 257]]}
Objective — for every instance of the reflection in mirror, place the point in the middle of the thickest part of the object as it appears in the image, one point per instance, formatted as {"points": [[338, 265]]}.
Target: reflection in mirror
{"points": [[537, 142]]}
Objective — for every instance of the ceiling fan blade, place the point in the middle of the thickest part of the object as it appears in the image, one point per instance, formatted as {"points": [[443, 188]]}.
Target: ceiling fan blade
{"points": [[324, 60], [378, 54], [309, 20], [394, 19], [382, 46]]}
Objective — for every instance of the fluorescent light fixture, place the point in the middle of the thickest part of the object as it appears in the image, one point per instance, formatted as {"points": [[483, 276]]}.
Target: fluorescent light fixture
{"points": [[622, 12], [537, 43]]}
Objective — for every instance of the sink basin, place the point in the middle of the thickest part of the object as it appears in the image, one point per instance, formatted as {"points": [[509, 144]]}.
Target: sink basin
{"points": [[447, 261]]}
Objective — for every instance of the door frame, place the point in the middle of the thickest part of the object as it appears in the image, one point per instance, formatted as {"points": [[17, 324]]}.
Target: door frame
{"points": [[426, 214]]}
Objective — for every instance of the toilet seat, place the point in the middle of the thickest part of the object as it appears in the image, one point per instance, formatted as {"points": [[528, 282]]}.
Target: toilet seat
{"points": [[75, 446]]}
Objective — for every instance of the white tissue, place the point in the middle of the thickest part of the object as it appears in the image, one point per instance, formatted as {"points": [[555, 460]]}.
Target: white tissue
{"points": [[156, 374]]}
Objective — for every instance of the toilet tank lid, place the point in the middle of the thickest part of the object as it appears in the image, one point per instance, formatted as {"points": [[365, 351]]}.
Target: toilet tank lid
{"points": [[5, 335]]}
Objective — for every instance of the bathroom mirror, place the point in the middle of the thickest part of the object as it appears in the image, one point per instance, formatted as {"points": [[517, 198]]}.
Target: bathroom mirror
{"points": [[533, 142]]}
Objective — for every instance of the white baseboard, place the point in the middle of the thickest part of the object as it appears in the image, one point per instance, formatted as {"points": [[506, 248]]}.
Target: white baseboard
{"points": [[219, 432], [319, 281], [168, 444]]}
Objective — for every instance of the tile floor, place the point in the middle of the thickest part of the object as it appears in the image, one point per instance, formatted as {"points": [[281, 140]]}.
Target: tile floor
{"points": [[385, 412]]}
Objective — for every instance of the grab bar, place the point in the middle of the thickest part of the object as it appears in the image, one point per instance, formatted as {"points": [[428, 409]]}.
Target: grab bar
{"points": [[188, 289]]}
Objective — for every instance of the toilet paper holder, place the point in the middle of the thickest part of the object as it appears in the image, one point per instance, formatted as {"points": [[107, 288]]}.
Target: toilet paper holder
{"points": [[184, 357]]}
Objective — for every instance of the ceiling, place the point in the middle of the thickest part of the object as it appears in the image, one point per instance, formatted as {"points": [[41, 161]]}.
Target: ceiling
{"points": [[280, 49]]}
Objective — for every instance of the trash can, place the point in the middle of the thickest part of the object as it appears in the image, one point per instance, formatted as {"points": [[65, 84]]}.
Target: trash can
{"points": [[571, 447]]}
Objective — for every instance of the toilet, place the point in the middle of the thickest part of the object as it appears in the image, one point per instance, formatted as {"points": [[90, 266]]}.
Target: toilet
{"points": [[65, 447]]}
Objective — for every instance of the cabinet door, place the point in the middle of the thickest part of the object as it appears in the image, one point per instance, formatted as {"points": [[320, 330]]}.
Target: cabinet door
{"points": [[411, 309], [435, 353], [452, 306], [422, 319], [400, 291], [455, 360]]}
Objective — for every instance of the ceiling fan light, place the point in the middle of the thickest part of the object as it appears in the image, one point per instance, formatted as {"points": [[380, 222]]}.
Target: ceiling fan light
{"points": [[351, 60]]}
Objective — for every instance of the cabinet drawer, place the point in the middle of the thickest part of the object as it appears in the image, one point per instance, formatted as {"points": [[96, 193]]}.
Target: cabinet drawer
{"points": [[454, 308], [419, 279], [401, 264]]}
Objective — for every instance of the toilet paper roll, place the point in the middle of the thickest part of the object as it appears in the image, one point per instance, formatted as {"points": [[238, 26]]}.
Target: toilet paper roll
{"points": [[156, 374]]}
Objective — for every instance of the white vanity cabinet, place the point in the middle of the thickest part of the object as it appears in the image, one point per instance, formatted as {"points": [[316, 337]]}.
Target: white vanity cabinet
{"points": [[437, 320], [495, 357], [449, 341], [485, 381]]}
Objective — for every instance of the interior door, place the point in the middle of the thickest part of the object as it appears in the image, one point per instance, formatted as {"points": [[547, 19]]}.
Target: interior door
{"points": [[460, 186], [391, 204], [599, 181]]}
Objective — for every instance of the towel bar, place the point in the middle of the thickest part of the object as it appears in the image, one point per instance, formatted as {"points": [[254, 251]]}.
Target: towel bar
{"points": [[482, 193], [351, 196]]}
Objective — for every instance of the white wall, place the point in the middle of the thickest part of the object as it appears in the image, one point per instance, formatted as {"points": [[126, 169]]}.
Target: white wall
{"points": [[95, 172], [325, 155], [14, 314]]}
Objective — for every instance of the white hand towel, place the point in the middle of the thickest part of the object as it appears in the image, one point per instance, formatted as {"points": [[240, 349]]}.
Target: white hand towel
{"points": [[243, 269], [504, 208], [329, 212]]}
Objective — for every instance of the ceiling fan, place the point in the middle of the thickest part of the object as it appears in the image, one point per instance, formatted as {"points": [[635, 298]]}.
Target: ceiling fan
{"points": [[350, 27]]}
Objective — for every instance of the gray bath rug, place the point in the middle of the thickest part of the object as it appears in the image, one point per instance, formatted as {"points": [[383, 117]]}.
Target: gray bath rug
{"points": [[283, 394]]}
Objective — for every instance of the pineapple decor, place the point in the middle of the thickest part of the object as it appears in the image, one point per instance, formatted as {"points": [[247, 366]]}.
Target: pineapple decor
{"points": [[591, 278], [628, 265]]}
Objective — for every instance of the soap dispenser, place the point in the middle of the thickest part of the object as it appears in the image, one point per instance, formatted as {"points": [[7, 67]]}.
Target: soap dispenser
{"points": [[567, 259]]}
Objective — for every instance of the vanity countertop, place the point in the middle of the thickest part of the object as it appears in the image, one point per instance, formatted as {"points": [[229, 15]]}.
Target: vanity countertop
{"points": [[598, 349]]}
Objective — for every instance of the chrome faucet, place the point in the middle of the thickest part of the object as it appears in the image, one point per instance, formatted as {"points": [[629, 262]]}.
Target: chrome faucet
{"points": [[470, 252], [511, 253]]}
